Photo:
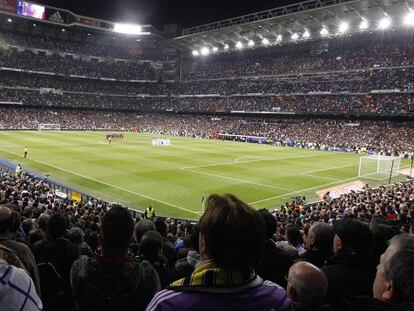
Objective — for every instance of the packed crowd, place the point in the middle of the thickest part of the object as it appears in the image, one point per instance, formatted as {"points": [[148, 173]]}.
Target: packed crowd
{"points": [[82, 66], [350, 253], [381, 136], [391, 103], [277, 62]]}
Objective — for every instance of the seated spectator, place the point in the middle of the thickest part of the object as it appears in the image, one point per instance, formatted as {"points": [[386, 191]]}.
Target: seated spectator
{"points": [[150, 248], [232, 236], [351, 271], [276, 262], [20, 249], [17, 291], [319, 243], [113, 280], [185, 266], [307, 286]]}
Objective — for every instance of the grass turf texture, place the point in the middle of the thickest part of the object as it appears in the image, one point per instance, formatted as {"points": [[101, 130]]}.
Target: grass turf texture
{"points": [[173, 178]]}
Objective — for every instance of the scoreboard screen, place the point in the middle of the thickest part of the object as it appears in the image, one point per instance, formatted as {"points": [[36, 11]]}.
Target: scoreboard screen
{"points": [[28, 9]]}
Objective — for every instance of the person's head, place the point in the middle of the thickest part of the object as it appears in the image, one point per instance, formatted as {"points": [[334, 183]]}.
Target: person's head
{"points": [[232, 234], [352, 235], [117, 229], [194, 238], [58, 225], [27, 225], [320, 237], [307, 284], [162, 227], [76, 236], [6, 219], [293, 235], [151, 244], [142, 227], [394, 281], [43, 222], [35, 235], [381, 235], [270, 222]]}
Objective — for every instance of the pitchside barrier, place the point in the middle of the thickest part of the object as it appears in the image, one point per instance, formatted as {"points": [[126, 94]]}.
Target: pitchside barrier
{"points": [[72, 194]]}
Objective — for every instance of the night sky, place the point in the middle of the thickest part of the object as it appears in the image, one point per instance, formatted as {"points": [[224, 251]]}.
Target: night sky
{"points": [[186, 13]]}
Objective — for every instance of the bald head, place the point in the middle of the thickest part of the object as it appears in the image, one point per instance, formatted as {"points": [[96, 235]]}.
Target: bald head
{"points": [[307, 284], [6, 219]]}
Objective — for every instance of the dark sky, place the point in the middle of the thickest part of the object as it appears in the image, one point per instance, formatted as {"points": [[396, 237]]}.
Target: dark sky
{"points": [[158, 12]]}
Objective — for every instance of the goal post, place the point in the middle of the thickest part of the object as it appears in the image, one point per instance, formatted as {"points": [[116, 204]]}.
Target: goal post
{"points": [[379, 167], [49, 127]]}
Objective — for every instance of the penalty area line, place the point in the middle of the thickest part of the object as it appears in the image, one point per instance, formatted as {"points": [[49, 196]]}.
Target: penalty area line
{"points": [[106, 184]]}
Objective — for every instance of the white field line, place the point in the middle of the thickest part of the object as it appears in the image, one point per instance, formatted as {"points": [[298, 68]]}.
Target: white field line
{"points": [[318, 177], [239, 160], [303, 190], [327, 169], [106, 184], [235, 162], [235, 179]]}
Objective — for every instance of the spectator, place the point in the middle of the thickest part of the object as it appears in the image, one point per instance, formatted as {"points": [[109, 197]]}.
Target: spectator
{"points": [[319, 243], [114, 280], [307, 286], [17, 290], [185, 266], [351, 271], [232, 236], [168, 249], [22, 251], [275, 263]]}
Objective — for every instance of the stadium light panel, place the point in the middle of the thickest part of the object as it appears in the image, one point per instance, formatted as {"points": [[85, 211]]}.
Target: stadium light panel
{"points": [[226, 47], [343, 27], [215, 49], [265, 41], [295, 36], [364, 24], [279, 38], [239, 45], [128, 29], [324, 32], [205, 51], [384, 23], [251, 43], [409, 19], [306, 34], [195, 53]]}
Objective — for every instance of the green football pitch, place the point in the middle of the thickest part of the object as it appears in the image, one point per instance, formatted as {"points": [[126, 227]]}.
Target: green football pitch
{"points": [[174, 178]]}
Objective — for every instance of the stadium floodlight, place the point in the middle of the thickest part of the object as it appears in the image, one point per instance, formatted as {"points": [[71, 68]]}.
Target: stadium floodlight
{"points": [[34, 25], [226, 47], [205, 51], [195, 53], [251, 43], [279, 38], [384, 23], [128, 29], [343, 27], [409, 19], [364, 24], [324, 31], [9, 20], [265, 41], [215, 49], [306, 34], [239, 45], [63, 29], [294, 36]]}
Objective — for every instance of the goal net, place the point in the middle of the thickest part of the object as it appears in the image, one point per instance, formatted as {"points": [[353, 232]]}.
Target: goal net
{"points": [[379, 167], [49, 127]]}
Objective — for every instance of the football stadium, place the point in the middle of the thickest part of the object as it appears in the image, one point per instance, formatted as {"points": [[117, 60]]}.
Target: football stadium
{"points": [[196, 157]]}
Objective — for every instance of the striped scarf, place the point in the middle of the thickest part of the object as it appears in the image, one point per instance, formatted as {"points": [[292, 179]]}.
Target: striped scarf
{"points": [[208, 275]]}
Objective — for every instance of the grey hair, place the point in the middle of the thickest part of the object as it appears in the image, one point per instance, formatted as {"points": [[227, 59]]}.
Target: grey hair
{"points": [[400, 269]]}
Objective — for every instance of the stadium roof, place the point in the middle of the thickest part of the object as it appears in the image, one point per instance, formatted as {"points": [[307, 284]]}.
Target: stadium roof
{"points": [[302, 21]]}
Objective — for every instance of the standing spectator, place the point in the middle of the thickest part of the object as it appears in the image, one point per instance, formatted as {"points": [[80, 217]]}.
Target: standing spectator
{"points": [[275, 263], [232, 236], [319, 243], [114, 280], [307, 286], [22, 250], [351, 271], [168, 249]]}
